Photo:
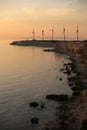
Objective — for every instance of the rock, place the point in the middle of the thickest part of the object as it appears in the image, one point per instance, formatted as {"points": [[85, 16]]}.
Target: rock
{"points": [[76, 93], [38, 109], [84, 93], [77, 74], [84, 125], [57, 107], [34, 120], [64, 72], [52, 96], [62, 69], [60, 79], [61, 97], [75, 88], [34, 104], [68, 72], [71, 84], [42, 106]]}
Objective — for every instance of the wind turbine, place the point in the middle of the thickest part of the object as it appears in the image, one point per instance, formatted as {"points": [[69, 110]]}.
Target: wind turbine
{"points": [[52, 34], [33, 34], [42, 34], [64, 32], [77, 33]]}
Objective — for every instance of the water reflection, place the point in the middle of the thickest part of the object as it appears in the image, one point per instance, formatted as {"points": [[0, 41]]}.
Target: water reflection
{"points": [[28, 74]]}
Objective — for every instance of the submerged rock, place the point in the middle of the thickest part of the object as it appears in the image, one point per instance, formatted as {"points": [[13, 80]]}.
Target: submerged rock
{"points": [[75, 88], [42, 106], [34, 104], [60, 79], [34, 120], [76, 93], [61, 97]]}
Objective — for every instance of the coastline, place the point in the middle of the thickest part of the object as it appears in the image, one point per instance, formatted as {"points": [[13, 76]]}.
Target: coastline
{"points": [[75, 110], [72, 114]]}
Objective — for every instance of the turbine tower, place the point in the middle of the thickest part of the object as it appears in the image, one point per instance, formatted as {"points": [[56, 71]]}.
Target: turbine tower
{"points": [[64, 32], [52, 34], [77, 33], [33, 34], [42, 34]]}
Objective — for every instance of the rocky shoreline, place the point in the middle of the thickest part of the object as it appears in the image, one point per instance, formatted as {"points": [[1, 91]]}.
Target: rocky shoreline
{"points": [[72, 114], [75, 110]]}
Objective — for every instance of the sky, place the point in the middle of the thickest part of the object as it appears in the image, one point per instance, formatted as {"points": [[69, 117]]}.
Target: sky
{"points": [[18, 18]]}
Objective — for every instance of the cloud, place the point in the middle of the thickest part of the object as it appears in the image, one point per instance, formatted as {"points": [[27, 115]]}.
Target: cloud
{"points": [[58, 12], [29, 11], [83, 1], [47, 13], [79, 2]]}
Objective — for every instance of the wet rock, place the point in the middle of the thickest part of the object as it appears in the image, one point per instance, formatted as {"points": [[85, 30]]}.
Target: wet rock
{"points": [[57, 107], [71, 84], [62, 69], [76, 93], [78, 74], [65, 72], [68, 72], [34, 120], [74, 71], [60, 79], [42, 106], [84, 93], [52, 96], [38, 109], [84, 125], [72, 79], [75, 88], [34, 104], [62, 97]]}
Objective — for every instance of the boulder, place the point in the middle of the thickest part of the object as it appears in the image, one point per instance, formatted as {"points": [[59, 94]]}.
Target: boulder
{"points": [[61, 97], [71, 84], [60, 79], [34, 120], [84, 93], [75, 88], [34, 104], [76, 93], [42, 106]]}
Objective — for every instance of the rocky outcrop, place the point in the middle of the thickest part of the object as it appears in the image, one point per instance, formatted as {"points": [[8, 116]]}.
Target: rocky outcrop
{"points": [[34, 120], [61, 97], [40, 43], [77, 49], [84, 53], [34, 104]]}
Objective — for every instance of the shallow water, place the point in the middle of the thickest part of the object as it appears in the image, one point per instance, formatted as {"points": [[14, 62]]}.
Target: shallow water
{"points": [[28, 74]]}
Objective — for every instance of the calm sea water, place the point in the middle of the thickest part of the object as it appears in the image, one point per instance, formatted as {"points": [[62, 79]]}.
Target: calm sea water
{"points": [[28, 74]]}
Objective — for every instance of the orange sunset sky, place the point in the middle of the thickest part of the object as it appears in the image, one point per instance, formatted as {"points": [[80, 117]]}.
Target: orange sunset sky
{"points": [[19, 17]]}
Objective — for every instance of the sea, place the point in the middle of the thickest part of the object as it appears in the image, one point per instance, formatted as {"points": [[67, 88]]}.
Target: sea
{"points": [[28, 74]]}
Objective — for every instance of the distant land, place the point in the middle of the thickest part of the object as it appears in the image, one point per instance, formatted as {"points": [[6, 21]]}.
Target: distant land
{"points": [[42, 43]]}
